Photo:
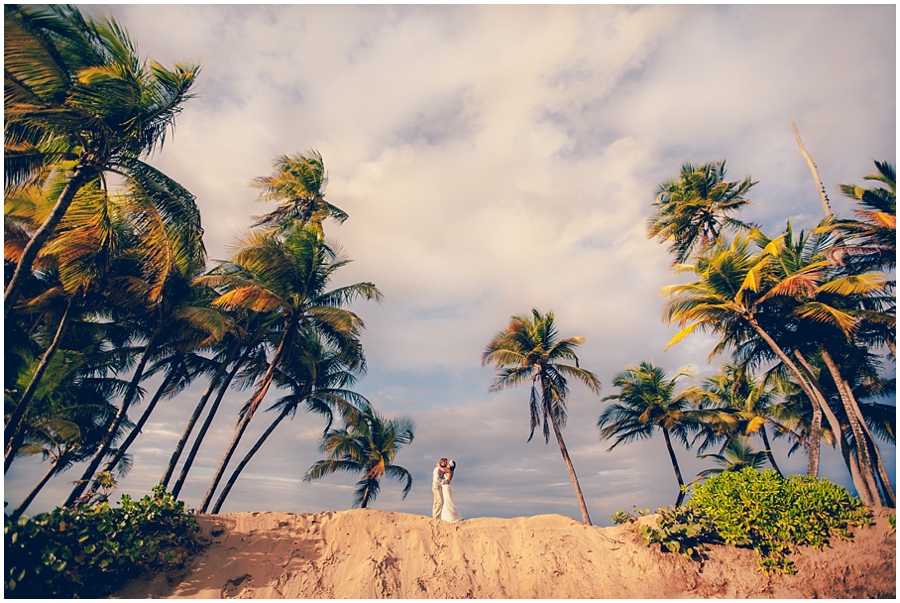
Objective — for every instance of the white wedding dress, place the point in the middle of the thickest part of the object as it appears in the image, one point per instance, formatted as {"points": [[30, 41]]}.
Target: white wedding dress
{"points": [[448, 511]]}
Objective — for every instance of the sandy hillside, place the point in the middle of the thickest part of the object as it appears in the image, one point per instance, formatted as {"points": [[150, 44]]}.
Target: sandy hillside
{"points": [[376, 554]]}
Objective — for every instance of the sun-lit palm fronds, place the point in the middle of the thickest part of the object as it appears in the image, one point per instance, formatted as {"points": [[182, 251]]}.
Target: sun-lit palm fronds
{"points": [[78, 100], [692, 210]]}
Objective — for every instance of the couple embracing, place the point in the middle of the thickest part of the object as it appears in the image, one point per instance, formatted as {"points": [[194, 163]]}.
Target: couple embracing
{"points": [[443, 507]]}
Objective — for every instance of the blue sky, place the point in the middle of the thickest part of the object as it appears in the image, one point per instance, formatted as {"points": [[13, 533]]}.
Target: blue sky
{"points": [[495, 159]]}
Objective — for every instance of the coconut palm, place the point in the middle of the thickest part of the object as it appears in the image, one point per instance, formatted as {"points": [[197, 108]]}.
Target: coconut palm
{"points": [[736, 454], [298, 185], [530, 349], [871, 239], [78, 99], [726, 299], [692, 210], [288, 275], [647, 402], [318, 379], [367, 444]]}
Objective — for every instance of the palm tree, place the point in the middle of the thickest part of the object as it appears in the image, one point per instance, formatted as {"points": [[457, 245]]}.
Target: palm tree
{"points": [[752, 404], [79, 100], [736, 454], [726, 299], [691, 210], [367, 445], [872, 237], [298, 185], [647, 402], [287, 275], [317, 379], [529, 349]]}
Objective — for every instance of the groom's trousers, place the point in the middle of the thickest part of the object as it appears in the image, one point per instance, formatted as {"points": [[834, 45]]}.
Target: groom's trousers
{"points": [[438, 500]]}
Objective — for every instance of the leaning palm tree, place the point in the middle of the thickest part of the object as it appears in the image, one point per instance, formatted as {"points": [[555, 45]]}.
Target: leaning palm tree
{"points": [[647, 402], [692, 210], [317, 379], [298, 185], [286, 275], [78, 99], [529, 349], [367, 444]]}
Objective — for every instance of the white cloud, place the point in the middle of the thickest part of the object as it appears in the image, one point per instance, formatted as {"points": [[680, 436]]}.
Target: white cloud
{"points": [[495, 159]]}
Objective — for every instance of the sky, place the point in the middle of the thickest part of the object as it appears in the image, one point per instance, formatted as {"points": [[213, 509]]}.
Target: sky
{"points": [[492, 160]]}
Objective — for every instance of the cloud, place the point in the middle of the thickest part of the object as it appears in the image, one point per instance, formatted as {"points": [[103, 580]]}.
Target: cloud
{"points": [[495, 159]]}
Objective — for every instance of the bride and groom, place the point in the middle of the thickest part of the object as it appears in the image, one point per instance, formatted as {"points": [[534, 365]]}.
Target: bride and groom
{"points": [[443, 507]]}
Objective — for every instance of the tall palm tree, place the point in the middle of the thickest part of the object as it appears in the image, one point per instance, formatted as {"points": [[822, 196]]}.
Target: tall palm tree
{"points": [[647, 402], [692, 210], [368, 444], [530, 349], [287, 275], [298, 185], [77, 98]]}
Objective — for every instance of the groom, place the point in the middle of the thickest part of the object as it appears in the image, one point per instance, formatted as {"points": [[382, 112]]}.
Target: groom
{"points": [[437, 475]]}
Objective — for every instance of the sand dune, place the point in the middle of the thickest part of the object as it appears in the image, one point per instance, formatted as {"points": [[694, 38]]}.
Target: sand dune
{"points": [[373, 554]]}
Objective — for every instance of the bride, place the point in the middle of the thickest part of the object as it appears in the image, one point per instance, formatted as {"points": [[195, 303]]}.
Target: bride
{"points": [[449, 512]]}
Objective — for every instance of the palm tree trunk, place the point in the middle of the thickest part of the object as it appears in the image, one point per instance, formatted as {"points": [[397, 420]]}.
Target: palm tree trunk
{"points": [[815, 172], [87, 478], [14, 432], [136, 430], [858, 482], [671, 450], [195, 416], [765, 439], [79, 178], [808, 389], [195, 447], [253, 404], [246, 459], [586, 519], [862, 441]]}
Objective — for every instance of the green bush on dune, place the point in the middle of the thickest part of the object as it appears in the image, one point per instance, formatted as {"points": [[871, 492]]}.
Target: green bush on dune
{"points": [[762, 511], [92, 550]]}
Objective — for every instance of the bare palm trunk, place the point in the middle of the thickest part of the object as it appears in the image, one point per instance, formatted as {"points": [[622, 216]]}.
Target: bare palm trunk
{"points": [[771, 457], [862, 441], [14, 432], [136, 430], [586, 519], [81, 176], [858, 482], [195, 447], [246, 459], [87, 478], [671, 450], [815, 172], [252, 405], [195, 416]]}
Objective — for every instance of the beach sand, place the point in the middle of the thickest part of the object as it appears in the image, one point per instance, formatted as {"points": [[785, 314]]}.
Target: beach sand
{"points": [[371, 554]]}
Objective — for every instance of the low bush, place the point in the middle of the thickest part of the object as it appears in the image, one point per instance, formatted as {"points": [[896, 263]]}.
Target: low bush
{"points": [[760, 510], [92, 550]]}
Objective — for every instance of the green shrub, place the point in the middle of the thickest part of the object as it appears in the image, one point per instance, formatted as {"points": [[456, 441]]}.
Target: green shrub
{"points": [[762, 511], [91, 551]]}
